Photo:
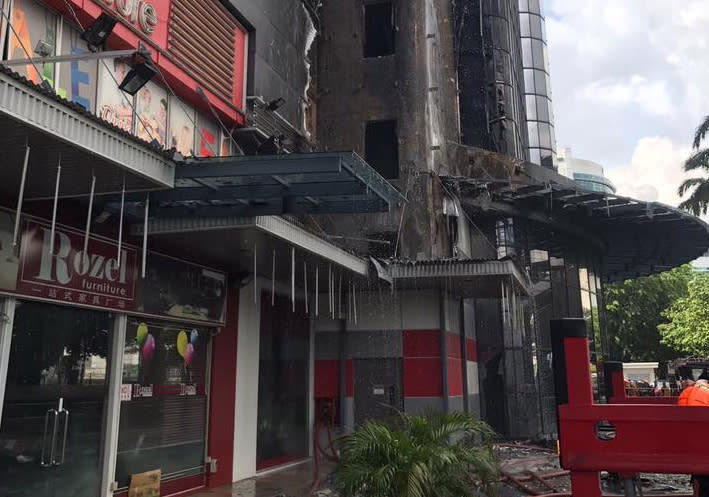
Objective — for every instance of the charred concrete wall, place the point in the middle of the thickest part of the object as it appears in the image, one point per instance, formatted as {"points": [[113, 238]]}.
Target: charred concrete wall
{"points": [[415, 86], [280, 35]]}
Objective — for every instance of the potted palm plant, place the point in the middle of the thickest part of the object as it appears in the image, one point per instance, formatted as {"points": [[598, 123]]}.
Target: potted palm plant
{"points": [[434, 455]]}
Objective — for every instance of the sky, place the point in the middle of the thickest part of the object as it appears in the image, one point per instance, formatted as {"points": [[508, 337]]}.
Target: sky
{"points": [[630, 84]]}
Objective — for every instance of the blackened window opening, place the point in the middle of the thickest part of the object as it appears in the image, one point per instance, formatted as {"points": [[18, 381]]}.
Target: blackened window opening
{"points": [[378, 29], [381, 148]]}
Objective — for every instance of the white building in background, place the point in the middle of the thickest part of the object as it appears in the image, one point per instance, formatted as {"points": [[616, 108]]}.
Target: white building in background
{"points": [[640, 371], [588, 174], [701, 265]]}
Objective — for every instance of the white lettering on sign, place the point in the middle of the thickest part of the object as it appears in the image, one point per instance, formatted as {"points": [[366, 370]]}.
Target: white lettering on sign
{"points": [[188, 390], [142, 391], [126, 392], [66, 263], [137, 12]]}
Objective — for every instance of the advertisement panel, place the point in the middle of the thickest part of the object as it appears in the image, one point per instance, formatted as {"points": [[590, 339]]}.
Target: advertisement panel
{"points": [[78, 79], [115, 106], [172, 287], [151, 107]]}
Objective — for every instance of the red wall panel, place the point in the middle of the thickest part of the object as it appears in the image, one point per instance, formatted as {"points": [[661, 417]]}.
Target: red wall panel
{"points": [[472, 349], [455, 377], [453, 345], [327, 378], [422, 377], [422, 343], [223, 395]]}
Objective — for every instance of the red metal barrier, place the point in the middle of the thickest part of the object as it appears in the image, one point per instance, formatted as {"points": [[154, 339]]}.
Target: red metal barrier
{"points": [[620, 438]]}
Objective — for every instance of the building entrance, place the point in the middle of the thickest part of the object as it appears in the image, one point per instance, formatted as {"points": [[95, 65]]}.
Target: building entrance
{"points": [[53, 415]]}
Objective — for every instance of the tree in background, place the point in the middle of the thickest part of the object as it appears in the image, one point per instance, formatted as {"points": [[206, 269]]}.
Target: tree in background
{"points": [[687, 328], [698, 201], [634, 311]]}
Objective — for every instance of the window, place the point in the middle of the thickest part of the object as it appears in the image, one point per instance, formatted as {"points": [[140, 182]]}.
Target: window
{"points": [[381, 148], [163, 425], [378, 29]]}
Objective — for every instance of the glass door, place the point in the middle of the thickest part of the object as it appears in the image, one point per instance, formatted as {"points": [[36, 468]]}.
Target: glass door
{"points": [[52, 421]]}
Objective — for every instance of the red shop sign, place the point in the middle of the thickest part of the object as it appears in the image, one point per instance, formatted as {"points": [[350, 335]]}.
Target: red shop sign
{"points": [[69, 275]]}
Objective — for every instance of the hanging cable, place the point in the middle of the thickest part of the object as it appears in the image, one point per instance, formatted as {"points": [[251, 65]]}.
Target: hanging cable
{"points": [[273, 280], [120, 222], [21, 196], [145, 235], [317, 289], [349, 303], [89, 213], [56, 204], [466, 214], [216, 116], [305, 279], [255, 285], [354, 301], [329, 290], [339, 297], [292, 277]]}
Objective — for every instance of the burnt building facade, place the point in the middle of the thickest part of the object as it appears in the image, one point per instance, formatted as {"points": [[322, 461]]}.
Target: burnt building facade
{"points": [[312, 206], [487, 246]]}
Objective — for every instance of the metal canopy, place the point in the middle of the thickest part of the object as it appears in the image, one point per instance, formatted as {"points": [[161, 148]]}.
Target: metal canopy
{"points": [[635, 238], [465, 278], [310, 183], [56, 129]]}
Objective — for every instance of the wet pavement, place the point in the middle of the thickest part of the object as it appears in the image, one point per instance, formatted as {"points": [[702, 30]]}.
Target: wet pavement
{"points": [[294, 481]]}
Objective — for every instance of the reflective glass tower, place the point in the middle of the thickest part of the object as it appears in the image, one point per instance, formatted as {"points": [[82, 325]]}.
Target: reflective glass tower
{"points": [[535, 59]]}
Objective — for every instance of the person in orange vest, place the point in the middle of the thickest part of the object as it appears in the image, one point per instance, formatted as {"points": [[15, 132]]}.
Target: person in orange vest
{"points": [[696, 394]]}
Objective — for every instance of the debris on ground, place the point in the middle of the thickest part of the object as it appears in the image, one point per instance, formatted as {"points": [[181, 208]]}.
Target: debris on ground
{"points": [[534, 470]]}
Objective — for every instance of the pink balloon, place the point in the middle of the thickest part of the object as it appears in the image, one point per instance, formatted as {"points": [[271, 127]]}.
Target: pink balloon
{"points": [[149, 348], [189, 354]]}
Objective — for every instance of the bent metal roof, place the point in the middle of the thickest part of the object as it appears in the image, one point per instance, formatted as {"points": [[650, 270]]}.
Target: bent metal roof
{"points": [[463, 277], [635, 238]]}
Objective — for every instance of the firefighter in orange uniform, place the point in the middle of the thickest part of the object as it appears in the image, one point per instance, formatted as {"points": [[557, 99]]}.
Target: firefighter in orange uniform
{"points": [[697, 395]]}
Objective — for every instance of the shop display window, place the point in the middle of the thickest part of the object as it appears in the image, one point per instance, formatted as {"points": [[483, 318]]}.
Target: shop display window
{"points": [[164, 400]]}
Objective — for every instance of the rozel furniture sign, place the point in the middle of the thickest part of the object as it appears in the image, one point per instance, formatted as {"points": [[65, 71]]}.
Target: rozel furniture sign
{"points": [[95, 278], [65, 274], [139, 13]]}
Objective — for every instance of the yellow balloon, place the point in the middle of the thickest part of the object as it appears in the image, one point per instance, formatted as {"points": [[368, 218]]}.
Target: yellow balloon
{"points": [[141, 333], [182, 341]]}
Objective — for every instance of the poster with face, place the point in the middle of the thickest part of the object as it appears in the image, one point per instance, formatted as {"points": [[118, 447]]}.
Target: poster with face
{"points": [[31, 23], [181, 127], [77, 79], [113, 103], [151, 107], [206, 137]]}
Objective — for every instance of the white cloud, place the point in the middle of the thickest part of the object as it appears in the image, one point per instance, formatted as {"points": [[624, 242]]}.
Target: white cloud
{"points": [[651, 96], [625, 70], [654, 171]]}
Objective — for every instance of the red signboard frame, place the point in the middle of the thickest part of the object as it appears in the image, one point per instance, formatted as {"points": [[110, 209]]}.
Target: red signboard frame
{"points": [[127, 35]]}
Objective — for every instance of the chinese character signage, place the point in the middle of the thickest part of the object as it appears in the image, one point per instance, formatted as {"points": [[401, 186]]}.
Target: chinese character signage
{"points": [[64, 273]]}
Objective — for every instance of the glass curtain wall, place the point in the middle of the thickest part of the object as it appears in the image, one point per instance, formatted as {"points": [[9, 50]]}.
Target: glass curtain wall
{"points": [[566, 282], [535, 60]]}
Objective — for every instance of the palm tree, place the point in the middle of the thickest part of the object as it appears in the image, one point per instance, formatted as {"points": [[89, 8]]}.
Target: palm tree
{"points": [[698, 201], [435, 455]]}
